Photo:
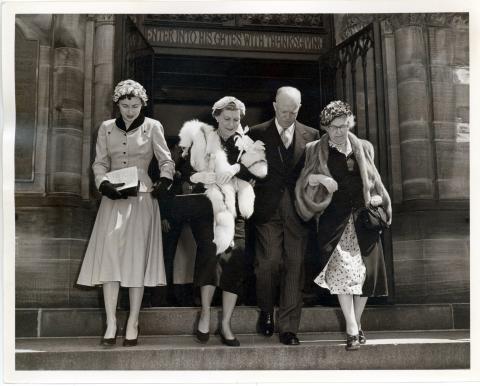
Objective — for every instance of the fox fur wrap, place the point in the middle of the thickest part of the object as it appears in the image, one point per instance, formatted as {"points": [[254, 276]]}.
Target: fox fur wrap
{"points": [[207, 155]]}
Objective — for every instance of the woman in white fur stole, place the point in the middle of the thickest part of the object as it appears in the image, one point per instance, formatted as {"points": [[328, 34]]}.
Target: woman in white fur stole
{"points": [[225, 161], [339, 180]]}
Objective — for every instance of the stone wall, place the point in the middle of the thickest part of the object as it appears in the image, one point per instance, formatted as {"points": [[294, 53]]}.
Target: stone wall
{"points": [[56, 206], [426, 70]]}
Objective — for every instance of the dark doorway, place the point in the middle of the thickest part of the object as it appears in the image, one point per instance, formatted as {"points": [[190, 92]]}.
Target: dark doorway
{"points": [[185, 87]]}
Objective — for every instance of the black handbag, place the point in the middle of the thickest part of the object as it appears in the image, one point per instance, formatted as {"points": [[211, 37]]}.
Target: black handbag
{"points": [[374, 218]]}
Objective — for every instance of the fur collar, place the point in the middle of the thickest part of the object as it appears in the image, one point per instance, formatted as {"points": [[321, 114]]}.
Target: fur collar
{"points": [[311, 201]]}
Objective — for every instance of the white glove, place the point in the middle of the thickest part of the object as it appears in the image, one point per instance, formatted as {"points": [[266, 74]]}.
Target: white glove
{"points": [[203, 177], [224, 177], [329, 183], [376, 200]]}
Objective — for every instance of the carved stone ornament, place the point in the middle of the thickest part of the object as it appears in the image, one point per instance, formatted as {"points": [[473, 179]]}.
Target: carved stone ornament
{"points": [[352, 23], [406, 19], [284, 20], [101, 19], [455, 20], [437, 19], [266, 20], [193, 18], [460, 20]]}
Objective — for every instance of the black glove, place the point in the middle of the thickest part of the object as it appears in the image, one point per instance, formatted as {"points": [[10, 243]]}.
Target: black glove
{"points": [[110, 190], [160, 190]]}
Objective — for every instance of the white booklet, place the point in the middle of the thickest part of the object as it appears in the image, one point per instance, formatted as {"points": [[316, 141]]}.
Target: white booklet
{"points": [[128, 176]]}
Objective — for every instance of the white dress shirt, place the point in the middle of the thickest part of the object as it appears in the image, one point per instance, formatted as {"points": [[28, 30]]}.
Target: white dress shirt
{"points": [[286, 133]]}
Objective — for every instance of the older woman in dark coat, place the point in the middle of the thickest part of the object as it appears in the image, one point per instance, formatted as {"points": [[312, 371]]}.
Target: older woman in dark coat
{"points": [[338, 181]]}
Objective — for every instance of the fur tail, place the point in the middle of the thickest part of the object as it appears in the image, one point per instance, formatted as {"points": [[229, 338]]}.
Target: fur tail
{"points": [[246, 198], [224, 230]]}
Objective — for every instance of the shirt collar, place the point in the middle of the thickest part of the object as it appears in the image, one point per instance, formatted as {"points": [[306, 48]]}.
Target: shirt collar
{"points": [[280, 129], [339, 148]]}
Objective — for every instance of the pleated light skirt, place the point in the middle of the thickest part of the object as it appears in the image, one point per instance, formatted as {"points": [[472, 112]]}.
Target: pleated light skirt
{"points": [[126, 244]]}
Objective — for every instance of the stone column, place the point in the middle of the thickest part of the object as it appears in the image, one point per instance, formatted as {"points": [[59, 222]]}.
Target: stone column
{"points": [[391, 95], [34, 33], [461, 81], [448, 44], [87, 175], [440, 44], [103, 68], [66, 145], [431, 238], [413, 106]]}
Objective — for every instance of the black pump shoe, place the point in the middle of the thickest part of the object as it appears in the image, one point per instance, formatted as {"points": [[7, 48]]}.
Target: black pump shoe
{"points": [[361, 337], [202, 337], [229, 342], [131, 342], [352, 343], [109, 341]]}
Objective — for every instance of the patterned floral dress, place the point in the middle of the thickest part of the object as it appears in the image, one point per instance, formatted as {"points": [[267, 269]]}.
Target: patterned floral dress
{"points": [[345, 272]]}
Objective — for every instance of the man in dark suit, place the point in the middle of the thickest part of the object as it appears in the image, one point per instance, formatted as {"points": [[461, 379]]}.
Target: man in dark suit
{"points": [[280, 235]]}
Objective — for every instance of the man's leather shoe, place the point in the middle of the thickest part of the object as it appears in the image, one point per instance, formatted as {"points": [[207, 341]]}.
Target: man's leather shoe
{"points": [[289, 338], [265, 323]]}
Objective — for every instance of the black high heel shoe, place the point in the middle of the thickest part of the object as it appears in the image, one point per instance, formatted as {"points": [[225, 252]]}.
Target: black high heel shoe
{"points": [[361, 337], [229, 342], [131, 342], [109, 341], [202, 337], [352, 343]]}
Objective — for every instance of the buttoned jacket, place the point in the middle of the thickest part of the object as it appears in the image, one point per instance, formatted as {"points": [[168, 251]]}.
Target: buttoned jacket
{"points": [[269, 190], [117, 149]]}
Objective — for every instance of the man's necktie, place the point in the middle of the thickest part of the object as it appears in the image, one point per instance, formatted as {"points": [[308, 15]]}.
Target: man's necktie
{"points": [[285, 139]]}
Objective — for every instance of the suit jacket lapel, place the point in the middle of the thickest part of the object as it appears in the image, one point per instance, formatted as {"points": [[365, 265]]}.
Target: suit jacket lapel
{"points": [[276, 141], [299, 142]]}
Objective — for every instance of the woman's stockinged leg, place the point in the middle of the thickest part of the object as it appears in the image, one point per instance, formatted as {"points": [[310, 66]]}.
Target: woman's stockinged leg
{"points": [[229, 300], [110, 298], [359, 303], [135, 295], [346, 303], [206, 294]]}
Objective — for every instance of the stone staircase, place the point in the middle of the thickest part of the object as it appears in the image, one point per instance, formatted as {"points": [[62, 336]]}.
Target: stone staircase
{"points": [[399, 337]]}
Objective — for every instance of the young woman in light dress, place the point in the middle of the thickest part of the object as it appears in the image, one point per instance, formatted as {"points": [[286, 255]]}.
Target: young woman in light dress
{"points": [[125, 248]]}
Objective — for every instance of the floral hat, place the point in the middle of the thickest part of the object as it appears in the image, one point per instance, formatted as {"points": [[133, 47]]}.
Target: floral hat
{"points": [[333, 110], [130, 87]]}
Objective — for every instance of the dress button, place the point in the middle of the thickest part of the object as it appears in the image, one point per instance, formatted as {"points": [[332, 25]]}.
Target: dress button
{"points": [[124, 143], [124, 152], [124, 162]]}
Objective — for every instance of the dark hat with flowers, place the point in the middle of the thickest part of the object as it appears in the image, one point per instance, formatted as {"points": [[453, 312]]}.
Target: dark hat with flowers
{"points": [[333, 110]]}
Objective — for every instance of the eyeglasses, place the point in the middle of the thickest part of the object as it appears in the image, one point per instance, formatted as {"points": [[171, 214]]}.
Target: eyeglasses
{"points": [[342, 127]]}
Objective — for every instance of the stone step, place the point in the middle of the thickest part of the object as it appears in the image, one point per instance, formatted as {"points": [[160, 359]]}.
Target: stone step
{"points": [[77, 322], [317, 351]]}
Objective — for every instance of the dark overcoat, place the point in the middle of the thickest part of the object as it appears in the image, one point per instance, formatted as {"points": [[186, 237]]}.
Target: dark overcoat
{"points": [[332, 211]]}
